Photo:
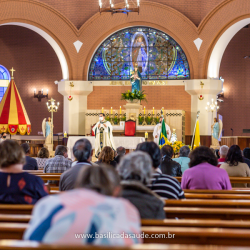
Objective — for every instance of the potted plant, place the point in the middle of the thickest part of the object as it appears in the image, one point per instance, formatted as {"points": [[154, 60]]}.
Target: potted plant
{"points": [[134, 97]]}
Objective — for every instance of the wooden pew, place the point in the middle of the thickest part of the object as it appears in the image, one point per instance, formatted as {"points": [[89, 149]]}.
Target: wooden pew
{"points": [[237, 224], [207, 213], [15, 209], [208, 203], [232, 179], [218, 196], [204, 236], [217, 236], [245, 191], [32, 245], [15, 218]]}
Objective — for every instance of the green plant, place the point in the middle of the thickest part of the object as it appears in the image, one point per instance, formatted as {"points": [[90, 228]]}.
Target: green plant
{"points": [[140, 119], [135, 95], [149, 120], [115, 120]]}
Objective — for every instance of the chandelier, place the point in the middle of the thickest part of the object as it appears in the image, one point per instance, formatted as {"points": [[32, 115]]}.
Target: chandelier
{"points": [[125, 10], [212, 106]]}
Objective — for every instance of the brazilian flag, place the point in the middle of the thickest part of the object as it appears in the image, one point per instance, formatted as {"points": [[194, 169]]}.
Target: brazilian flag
{"points": [[163, 136]]}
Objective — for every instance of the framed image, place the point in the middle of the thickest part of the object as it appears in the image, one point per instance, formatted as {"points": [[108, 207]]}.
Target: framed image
{"points": [[122, 123]]}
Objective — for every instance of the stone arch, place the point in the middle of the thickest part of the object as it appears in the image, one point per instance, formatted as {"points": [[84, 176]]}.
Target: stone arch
{"points": [[48, 23], [216, 30], [153, 15], [220, 47]]}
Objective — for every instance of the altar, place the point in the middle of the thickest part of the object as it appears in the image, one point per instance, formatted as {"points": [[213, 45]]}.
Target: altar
{"points": [[128, 142]]}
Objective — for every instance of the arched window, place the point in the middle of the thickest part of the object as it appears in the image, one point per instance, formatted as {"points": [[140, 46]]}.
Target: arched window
{"points": [[4, 75], [157, 55]]}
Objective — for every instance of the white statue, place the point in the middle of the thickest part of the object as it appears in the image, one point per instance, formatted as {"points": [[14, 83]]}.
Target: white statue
{"points": [[47, 130]]}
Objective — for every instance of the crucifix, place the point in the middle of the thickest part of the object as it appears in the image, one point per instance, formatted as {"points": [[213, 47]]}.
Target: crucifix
{"points": [[12, 72]]}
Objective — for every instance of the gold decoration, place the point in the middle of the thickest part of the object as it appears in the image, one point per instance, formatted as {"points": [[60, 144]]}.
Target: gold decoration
{"points": [[151, 83], [12, 72]]}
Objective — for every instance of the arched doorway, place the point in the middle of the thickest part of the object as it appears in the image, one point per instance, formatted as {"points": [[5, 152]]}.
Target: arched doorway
{"points": [[52, 42], [220, 46]]}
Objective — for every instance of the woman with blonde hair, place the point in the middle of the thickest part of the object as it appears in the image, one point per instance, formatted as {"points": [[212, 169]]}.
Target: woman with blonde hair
{"points": [[107, 156]]}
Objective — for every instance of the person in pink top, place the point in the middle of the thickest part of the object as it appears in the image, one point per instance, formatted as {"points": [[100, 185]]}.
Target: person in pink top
{"points": [[203, 172], [90, 214]]}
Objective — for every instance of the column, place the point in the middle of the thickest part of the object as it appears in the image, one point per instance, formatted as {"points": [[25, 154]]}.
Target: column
{"points": [[74, 111], [211, 88]]}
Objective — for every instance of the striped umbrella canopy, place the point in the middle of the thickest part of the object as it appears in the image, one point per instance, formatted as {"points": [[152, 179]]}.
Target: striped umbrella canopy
{"points": [[13, 115]]}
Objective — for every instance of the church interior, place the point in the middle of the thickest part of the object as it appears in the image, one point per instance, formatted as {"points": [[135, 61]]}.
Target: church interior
{"points": [[113, 72]]}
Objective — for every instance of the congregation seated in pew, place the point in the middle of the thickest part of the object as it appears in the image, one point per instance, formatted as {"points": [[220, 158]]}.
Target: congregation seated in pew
{"points": [[235, 165], [164, 185], [42, 157], [203, 172], [168, 165], [92, 207], [135, 171], [30, 163], [16, 186], [82, 151], [183, 158], [107, 156]]}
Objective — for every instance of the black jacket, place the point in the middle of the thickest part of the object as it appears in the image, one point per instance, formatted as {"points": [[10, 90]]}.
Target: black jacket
{"points": [[149, 204], [31, 164], [170, 167]]}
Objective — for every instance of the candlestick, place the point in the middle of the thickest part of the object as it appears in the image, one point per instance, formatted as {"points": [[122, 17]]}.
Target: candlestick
{"points": [[111, 111], [153, 110], [120, 109], [102, 109], [144, 110], [146, 135]]}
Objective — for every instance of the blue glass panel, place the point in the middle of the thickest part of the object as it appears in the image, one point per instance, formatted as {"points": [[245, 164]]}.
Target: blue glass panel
{"points": [[4, 73], [157, 54]]}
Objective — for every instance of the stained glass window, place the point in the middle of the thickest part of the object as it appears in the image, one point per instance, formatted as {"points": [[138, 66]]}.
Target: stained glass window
{"points": [[157, 55], [4, 75]]}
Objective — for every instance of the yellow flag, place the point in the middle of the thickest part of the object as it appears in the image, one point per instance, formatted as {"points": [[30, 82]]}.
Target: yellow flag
{"points": [[197, 138]]}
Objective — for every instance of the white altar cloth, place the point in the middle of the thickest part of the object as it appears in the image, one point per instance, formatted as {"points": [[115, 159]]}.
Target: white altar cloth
{"points": [[128, 142]]}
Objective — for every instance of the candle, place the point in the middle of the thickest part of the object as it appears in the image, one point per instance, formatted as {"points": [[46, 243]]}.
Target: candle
{"points": [[47, 91], [153, 110], [144, 110], [111, 111], [42, 91], [146, 135], [102, 109], [34, 91], [120, 109], [65, 134]]}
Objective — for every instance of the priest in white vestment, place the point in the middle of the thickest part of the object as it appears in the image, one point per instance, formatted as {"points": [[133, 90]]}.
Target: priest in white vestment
{"points": [[157, 131], [103, 135]]}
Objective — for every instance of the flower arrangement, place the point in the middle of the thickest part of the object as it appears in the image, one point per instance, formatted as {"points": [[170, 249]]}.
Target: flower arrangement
{"points": [[176, 145], [135, 95]]}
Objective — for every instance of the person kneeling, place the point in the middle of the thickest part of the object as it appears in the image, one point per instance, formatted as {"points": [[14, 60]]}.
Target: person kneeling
{"points": [[89, 214]]}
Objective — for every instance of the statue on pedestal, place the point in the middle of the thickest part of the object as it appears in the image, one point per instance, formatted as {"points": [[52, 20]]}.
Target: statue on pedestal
{"points": [[136, 79], [47, 130], [216, 132]]}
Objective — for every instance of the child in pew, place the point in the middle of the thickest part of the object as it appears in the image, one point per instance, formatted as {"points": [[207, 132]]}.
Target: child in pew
{"points": [[16, 186], [92, 209]]}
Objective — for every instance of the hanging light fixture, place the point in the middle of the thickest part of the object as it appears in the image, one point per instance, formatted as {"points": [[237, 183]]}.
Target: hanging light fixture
{"points": [[201, 97], [127, 8]]}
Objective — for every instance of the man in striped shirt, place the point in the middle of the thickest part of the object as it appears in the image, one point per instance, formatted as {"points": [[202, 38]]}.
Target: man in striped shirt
{"points": [[165, 186]]}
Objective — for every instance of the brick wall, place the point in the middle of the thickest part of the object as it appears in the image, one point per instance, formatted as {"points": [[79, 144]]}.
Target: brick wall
{"points": [[169, 97], [36, 66], [79, 11], [235, 70]]}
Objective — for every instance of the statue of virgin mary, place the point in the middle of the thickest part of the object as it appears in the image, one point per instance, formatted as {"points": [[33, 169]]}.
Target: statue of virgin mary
{"points": [[47, 130], [136, 80]]}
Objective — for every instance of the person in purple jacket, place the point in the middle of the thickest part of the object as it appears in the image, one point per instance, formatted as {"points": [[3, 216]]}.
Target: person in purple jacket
{"points": [[203, 172]]}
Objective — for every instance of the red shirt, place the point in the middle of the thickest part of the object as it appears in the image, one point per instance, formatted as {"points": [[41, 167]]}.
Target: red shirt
{"points": [[220, 161]]}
